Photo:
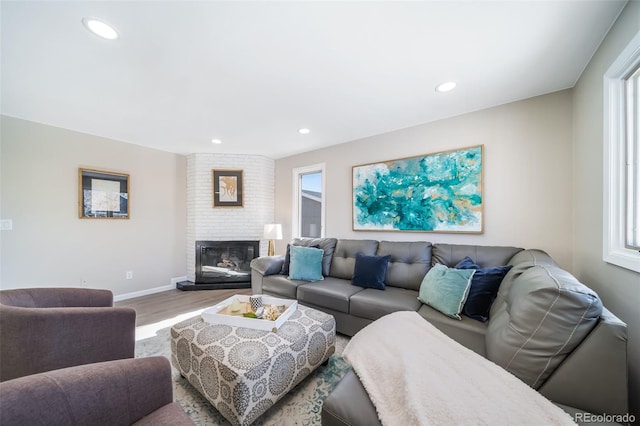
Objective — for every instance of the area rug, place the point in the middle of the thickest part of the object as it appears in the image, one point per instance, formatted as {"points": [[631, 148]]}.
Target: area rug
{"points": [[301, 406]]}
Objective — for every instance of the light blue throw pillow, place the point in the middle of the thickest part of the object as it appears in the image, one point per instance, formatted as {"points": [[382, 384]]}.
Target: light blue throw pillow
{"points": [[306, 263], [446, 289]]}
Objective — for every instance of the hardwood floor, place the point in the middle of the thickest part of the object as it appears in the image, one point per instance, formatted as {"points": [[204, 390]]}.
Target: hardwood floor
{"points": [[169, 304]]}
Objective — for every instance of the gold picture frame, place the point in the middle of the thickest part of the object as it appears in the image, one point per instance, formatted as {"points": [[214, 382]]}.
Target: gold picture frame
{"points": [[228, 188], [437, 192], [103, 194]]}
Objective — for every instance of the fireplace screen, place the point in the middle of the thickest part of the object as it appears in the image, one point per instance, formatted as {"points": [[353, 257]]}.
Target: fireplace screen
{"points": [[225, 261]]}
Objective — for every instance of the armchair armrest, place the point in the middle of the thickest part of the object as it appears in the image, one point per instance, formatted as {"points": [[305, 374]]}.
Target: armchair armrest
{"points": [[51, 297], [43, 339], [108, 393]]}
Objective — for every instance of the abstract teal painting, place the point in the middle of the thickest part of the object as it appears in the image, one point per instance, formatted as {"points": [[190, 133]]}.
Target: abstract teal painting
{"points": [[439, 192]]}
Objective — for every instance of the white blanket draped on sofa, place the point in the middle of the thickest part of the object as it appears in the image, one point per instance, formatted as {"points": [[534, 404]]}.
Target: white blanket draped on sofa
{"points": [[416, 375]]}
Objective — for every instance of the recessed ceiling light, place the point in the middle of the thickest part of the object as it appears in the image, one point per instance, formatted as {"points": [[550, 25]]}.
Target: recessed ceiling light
{"points": [[216, 141], [445, 87], [304, 131], [101, 29]]}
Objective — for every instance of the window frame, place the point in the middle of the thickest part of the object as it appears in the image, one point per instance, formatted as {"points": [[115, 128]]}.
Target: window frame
{"points": [[297, 200], [615, 250], [632, 97]]}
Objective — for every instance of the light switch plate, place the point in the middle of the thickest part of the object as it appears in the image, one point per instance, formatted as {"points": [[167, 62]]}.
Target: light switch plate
{"points": [[6, 225]]}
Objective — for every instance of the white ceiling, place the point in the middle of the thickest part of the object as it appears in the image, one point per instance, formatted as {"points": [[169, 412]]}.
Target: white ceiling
{"points": [[253, 73]]}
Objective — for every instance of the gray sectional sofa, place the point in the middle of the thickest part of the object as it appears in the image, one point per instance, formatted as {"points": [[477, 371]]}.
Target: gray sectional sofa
{"points": [[545, 327]]}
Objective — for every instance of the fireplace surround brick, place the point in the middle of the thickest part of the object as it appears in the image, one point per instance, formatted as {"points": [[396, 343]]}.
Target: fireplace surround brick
{"points": [[231, 223]]}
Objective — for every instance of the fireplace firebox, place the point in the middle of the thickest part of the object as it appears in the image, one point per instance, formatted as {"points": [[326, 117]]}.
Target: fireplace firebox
{"points": [[223, 264]]}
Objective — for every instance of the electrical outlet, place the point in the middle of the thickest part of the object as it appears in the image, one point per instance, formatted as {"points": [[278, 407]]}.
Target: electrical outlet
{"points": [[129, 275], [83, 282], [6, 225]]}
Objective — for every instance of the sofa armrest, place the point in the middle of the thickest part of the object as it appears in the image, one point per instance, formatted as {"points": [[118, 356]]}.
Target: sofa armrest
{"points": [[42, 339], [349, 404], [263, 266], [594, 376], [114, 392], [267, 265]]}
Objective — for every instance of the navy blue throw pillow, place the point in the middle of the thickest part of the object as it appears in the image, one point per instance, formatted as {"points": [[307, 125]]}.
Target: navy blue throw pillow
{"points": [[287, 260], [484, 288], [370, 271]]}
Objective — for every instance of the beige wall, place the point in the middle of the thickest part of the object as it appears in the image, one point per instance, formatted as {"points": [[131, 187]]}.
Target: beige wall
{"points": [[527, 174], [618, 287], [50, 246]]}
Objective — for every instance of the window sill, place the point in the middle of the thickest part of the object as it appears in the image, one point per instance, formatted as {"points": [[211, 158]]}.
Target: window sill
{"points": [[624, 258]]}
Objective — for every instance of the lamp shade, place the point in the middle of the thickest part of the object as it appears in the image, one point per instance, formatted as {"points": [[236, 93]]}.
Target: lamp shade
{"points": [[273, 231]]}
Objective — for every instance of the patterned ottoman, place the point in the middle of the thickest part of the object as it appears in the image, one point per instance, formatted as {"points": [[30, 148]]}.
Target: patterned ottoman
{"points": [[243, 371]]}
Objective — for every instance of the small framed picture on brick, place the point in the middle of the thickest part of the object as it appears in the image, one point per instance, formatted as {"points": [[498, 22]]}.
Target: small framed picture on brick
{"points": [[227, 188]]}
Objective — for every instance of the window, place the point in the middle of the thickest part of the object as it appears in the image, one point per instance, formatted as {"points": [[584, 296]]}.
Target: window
{"points": [[621, 155], [308, 201]]}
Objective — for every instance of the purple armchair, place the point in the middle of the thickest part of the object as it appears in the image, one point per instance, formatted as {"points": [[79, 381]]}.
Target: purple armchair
{"points": [[43, 329], [123, 392]]}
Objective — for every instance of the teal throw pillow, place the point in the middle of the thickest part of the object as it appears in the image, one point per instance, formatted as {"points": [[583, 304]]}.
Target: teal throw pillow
{"points": [[446, 289], [305, 263]]}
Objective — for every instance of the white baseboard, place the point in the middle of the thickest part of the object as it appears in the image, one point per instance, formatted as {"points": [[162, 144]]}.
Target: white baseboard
{"points": [[175, 281], [172, 286]]}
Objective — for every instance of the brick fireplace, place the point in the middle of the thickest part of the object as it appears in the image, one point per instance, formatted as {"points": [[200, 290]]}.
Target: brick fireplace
{"points": [[225, 264], [205, 223]]}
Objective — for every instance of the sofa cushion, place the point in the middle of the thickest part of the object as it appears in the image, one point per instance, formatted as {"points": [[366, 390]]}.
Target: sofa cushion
{"points": [[333, 293], [326, 244], [484, 256], [446, 289], [370, 271], [373, 304], [545, 315], [344, 256], [410, 262], [306, 263], [281, 286], [466, 331], [484, 288]]}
